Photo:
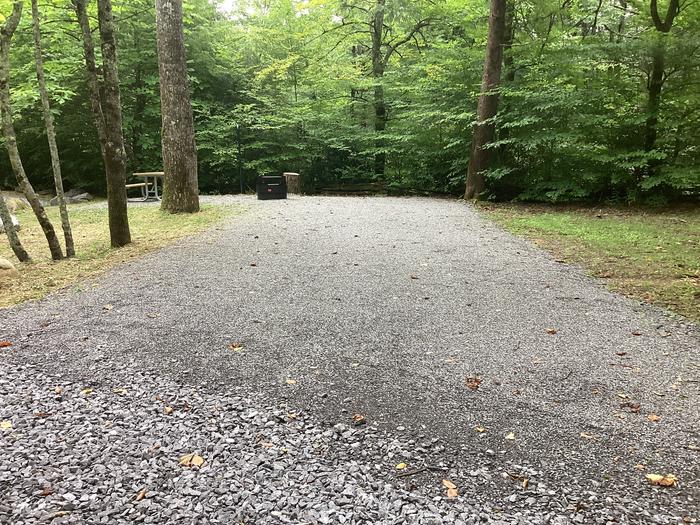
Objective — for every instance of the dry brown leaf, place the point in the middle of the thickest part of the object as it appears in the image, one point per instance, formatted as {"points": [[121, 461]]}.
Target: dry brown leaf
{"points": [[510, 435], [107, 307], [448, 484], [525, 483], [291, 381], [86, 391], [669, 480], [654, 418], [636, 332], [168, 410], [551, 331], [413, 276], [120, 391], [191, 460], [6, 425], [622, 395], [400, 466], [142, 494], [236, 346], [473, 382], [586, 435], [5, 344], [480, 429], [452, 493], [358, 419], [58, 390], [639, 466]]}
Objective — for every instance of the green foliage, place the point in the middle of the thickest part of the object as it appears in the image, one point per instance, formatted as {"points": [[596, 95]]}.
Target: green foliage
{"points": [[294, 80]]}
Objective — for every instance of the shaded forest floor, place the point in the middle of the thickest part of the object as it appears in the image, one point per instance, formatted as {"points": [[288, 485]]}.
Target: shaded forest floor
{"points": [[650, 254], [150, 229]]}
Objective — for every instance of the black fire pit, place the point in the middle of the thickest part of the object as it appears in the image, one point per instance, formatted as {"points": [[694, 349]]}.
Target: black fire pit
{"points": [[272, 187]]}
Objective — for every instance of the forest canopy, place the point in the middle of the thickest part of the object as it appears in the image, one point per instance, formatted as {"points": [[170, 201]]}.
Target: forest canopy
{"points": [[598, 100]]}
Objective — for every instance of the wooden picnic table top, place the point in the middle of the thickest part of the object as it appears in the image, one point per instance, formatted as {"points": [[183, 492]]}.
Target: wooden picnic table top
{"points": [[150, 174]]}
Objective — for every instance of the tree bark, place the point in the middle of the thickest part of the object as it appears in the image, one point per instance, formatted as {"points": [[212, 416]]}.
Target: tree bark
{"points": [[11, 232], [484, 127], [51, 133], [378, 62], [180, 183], [656, 75], [6, 33], [106, 108]]}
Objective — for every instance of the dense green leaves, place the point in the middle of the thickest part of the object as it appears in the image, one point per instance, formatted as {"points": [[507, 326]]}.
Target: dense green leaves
{"points": [[293, 79]]}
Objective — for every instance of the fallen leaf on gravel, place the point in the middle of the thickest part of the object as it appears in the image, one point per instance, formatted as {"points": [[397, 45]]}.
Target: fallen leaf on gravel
{"points": [[236, 346], [142, 494], [551, 331], [660, 394], [120, 391], [153, 316], [473, 383], [622, 396], [400, 466], [86, 391], [413, 276], [5, 344], [452, 493], [633, 407], [621, 353], [525, 483], [58, 390], [636, 333], [6, 425], [510, 435], [191, 460], [42, 414], [448, 484], [253, 264], [107, 307], [586, 435], [693, 447], [480, 429], [669, 480], [168, 410], [358, 419], [654, 418], [291, 381], [639, 466]]}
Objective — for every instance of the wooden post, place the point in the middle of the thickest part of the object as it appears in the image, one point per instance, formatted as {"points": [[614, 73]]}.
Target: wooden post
{"points": [[293, 182]]}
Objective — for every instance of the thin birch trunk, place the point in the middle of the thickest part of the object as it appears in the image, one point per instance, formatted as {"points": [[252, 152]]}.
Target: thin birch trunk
{"points": [[6, 33], [11, 232], [51, 133]]}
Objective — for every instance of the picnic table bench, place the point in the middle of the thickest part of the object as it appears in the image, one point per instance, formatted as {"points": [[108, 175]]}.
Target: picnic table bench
{"points": [[149, 190]]}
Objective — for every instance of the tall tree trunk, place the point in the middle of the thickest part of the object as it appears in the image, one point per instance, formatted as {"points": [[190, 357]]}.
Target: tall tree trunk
{"points": [[6, 33], [106, 108], [51, 133], [656, 76], [378, 63], [11, 232], [484, 128], [180, 185]]}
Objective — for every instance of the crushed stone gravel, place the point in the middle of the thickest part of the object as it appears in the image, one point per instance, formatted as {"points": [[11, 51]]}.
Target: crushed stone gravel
{"points": [[254, 345]]}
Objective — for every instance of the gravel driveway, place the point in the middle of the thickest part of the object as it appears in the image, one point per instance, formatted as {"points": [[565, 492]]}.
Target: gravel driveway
{"points": [[465, 354]]}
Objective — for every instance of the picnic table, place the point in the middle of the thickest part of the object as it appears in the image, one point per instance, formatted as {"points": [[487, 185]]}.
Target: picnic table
{"points": [[149, 190]]}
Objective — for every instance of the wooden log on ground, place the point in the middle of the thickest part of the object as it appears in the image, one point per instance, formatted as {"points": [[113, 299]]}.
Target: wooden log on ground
{"points": [[293, 182]]}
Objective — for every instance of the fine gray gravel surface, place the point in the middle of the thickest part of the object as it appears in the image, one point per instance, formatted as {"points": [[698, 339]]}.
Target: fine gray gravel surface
{"points": [[254, 345]]}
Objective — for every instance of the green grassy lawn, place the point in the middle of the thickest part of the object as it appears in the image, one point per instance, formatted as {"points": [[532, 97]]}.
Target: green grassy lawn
{"points": [[150, 229], [651, 255]]}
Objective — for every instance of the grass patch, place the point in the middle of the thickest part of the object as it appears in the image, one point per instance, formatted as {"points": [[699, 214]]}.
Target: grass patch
{"points": [[150, 229], [647, 254]]}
